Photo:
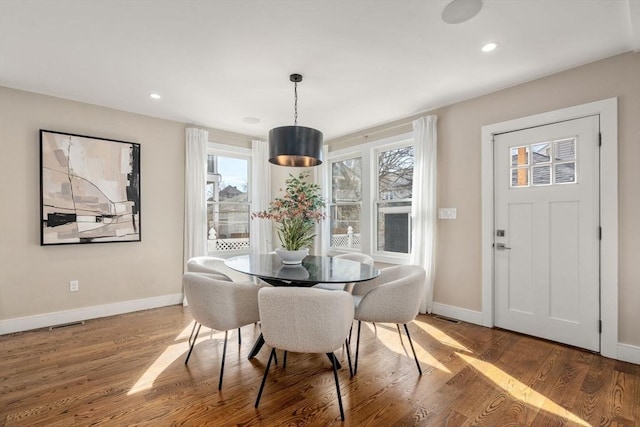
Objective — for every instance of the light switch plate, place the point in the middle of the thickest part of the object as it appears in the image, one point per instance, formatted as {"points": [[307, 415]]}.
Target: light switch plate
{"points": [[447, 213]]}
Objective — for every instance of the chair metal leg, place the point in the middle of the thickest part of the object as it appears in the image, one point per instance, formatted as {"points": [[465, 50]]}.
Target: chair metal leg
{"points": [[350, 329], [192, 343], [332, 358], [256, 347], [224, 353], [264, 377], [239, 337], [406, 329], [355, 369], [400, 334], [335, 376], [284, 362], [349, 359]]}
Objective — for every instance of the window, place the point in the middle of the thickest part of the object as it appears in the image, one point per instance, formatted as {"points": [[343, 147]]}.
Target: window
{"points": [[393, 201], [544, 163], [370, 200], [346, 203], [228, 201]]}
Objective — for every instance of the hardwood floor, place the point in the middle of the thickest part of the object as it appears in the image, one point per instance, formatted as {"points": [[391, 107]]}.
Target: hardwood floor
{"points": [[129, 370]]}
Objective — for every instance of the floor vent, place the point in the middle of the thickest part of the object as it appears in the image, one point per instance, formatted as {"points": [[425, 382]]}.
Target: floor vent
{"points": [[447, 319], [65, 325]]}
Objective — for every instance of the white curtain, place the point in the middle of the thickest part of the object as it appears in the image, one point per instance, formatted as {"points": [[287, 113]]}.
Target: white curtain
{"points": [[261, 230], [423, 207], [325, 185], [195, 208]]}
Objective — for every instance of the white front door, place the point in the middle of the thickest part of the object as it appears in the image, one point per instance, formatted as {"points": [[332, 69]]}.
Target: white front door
{"points": [[546, 250]]}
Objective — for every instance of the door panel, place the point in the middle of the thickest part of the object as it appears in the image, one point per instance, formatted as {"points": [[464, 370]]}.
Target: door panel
{"points": [[546, 190]]}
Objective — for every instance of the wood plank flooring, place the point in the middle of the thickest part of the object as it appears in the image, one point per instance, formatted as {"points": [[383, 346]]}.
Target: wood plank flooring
{"points": [[129, 370]]}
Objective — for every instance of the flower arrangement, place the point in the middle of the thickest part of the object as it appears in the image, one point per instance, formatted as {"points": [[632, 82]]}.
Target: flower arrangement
{"points": [[296, 212]]}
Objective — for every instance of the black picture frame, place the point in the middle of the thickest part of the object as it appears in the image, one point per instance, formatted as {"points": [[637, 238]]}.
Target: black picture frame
{"points": [[89, 189]]}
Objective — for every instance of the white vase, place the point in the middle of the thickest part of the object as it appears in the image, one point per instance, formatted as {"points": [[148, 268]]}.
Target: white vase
{"points": [[292, 257]]}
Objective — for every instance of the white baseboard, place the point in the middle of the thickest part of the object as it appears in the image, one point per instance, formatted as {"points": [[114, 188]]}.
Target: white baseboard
{"points": [[37, 321], [629, 353], [458, 313]]}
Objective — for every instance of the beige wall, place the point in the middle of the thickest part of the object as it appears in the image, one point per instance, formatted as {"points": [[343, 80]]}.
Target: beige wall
{"points": [[458, 275], [35, 279]]}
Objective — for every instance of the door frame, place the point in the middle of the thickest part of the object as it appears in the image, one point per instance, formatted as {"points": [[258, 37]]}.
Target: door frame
{"points": [[607, 110]]}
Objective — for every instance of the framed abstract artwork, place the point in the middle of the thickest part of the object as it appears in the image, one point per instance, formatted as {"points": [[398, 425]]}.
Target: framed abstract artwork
{"points": [[89, 189]]}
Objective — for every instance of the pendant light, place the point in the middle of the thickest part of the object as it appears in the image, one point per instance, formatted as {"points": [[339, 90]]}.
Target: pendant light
{"points": [[295, 145]]}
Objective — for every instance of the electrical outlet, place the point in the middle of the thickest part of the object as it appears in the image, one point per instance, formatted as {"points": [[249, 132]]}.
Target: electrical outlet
{"points": [[73, 286]]}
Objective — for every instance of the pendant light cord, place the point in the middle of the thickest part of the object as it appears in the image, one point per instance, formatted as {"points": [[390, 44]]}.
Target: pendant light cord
{"points": [[295, 105]]}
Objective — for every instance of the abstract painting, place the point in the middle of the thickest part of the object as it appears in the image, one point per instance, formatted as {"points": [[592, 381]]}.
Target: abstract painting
{"points": [[89, 189]]}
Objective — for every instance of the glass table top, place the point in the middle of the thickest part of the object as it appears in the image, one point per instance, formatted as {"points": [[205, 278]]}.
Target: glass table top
{"points": [[314, 269]]}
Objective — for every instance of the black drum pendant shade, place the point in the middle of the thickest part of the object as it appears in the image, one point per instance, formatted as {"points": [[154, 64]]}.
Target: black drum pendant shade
{"points": [[295, 145]]}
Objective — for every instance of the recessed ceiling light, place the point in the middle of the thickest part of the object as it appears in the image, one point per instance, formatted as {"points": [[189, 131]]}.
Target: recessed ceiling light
{"points": [[251, 120], [155, 96], [488, 47]]}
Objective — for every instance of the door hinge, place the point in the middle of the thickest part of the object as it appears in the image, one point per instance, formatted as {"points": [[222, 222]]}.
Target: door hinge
{"points": [[600, 326], [600, 139], [600, 233]]}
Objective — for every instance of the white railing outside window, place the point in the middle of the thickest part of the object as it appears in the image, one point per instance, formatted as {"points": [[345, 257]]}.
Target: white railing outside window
{"points": [[225, 245]]}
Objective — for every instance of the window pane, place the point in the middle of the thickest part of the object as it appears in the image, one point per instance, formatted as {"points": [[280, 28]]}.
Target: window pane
{"points": [[346, 180], [234, 179], [345, 226], [228, 226], [520, 177], [394, 227], [519, 156], [541, 153], [565, 173], [228, 209], [565, 149], [541, 175], [395, 173], [227, 179]]}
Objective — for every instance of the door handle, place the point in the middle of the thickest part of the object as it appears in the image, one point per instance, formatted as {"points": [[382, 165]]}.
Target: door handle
{"points": [[502, 247]]}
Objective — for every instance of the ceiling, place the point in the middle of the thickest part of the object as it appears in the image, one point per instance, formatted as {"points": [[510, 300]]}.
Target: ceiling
{"points": [[219, 63]]}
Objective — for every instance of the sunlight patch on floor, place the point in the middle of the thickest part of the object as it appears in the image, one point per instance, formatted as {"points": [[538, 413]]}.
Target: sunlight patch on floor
{"points": [[388, 335], [169, 356], [519, 390], [441, 336], [186, 331]]}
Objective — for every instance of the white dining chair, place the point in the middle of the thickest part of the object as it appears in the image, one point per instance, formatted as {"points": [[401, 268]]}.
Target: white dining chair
{"points": [[215, 268], [221, 305], [392, 297], [305, 320], [352, 256], [216, 265]]}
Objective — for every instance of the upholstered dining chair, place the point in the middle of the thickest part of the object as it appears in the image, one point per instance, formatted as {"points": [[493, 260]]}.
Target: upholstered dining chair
{"points": [[216, 268], [220, 305], [353, 256], [392, 297], [215, 265], [305, 320]]}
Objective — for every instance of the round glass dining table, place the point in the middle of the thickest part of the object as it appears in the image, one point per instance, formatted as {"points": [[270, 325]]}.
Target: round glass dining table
{"points": [[313, 270]]}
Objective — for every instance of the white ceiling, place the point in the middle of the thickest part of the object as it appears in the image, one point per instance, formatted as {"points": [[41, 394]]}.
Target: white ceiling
{"points": [[365, 62]]}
